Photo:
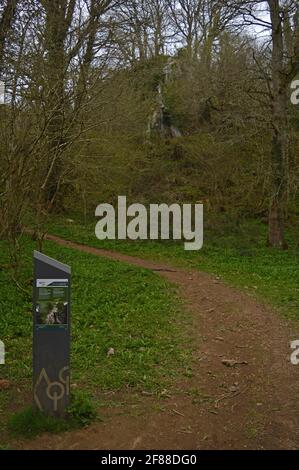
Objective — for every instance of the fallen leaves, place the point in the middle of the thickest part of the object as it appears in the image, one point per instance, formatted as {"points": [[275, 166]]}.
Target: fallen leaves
{"points": [[4, 384]]}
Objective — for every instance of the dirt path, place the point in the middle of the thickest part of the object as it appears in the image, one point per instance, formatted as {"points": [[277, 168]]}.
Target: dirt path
{"points": [[251, 405]]}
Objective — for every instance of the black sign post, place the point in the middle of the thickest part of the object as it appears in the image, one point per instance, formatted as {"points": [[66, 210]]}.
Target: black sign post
{"points": [[51, 335]]}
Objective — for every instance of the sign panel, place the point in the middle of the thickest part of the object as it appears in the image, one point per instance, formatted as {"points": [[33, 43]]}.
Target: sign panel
{"points": [[51, 335], [52, 303]]}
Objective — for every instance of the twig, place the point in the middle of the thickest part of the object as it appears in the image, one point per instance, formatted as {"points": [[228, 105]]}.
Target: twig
{"points": [[178, 413], [19, 285], [228, 395]]}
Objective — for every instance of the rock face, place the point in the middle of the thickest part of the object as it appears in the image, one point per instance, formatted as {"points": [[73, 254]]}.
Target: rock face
{"points": [[160, 121]]}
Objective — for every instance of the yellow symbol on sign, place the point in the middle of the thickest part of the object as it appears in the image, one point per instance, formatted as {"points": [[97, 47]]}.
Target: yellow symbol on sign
{"points": [[55, 390]]}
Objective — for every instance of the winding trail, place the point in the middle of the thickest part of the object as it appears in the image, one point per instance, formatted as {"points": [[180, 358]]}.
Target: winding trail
{"points": [[250, 404]]}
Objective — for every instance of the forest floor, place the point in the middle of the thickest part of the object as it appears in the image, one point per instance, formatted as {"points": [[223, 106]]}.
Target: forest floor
{"points": [[242, 392]]}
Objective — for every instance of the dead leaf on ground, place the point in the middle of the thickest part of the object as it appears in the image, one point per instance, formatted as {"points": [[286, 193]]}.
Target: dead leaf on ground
{"points": [[232, 362], [4, 384]]}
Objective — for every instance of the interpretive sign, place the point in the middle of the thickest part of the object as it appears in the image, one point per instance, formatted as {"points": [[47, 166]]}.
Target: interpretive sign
{"points": [[51, 335]]}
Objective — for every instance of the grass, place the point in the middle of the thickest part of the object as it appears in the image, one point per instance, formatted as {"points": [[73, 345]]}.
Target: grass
{"points": [[114, 305], [29, 422], [238, 255], [131, 309]]}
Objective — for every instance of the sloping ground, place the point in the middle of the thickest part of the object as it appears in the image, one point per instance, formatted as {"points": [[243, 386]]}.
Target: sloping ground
{"points": [[252, 403]]}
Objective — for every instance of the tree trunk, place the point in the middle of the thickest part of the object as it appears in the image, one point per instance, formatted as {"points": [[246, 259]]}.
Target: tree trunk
{"points": [[277, 211], [58, 20], [6, 22], [279, 154]]}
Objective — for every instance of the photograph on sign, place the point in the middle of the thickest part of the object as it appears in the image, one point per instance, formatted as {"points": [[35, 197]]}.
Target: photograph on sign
{"points": [[52, 302]]}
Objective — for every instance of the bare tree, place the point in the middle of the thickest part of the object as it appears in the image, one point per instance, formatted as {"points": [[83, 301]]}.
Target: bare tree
{"points": [[199, 23], [279, 20], [8, 13], [141, 29], [285, 65]]}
